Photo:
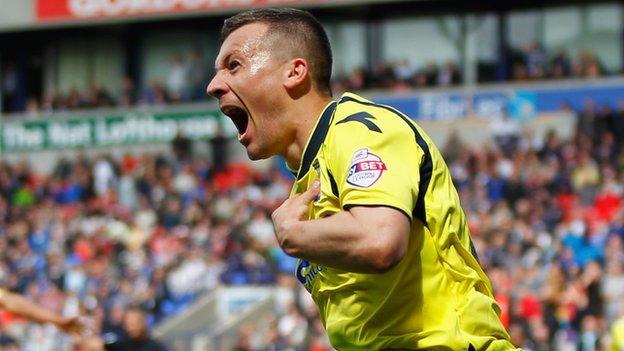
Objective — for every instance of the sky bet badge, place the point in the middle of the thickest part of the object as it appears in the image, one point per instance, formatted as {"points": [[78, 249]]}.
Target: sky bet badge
{"points": [[366, 168]]}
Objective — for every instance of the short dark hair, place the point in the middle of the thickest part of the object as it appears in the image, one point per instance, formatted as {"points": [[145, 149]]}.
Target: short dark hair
{"points": [[298, 28]]}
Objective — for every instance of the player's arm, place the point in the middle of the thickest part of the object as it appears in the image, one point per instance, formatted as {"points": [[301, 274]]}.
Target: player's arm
{"points": [[27, 308], [361, 239], [376, 174]]}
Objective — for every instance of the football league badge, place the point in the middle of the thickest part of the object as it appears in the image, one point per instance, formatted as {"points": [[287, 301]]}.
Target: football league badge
{"points": [[366, 168]]}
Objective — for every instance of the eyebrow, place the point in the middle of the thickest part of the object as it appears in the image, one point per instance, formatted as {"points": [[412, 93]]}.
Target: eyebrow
{"points": [[217, 61], [226, 58]]}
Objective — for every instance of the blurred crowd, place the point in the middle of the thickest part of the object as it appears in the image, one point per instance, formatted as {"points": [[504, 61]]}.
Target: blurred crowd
{"points": [[534, 63], [185, 81], [526, 64], [98, 235], [547, 221], [397, 76], [188, 74]]}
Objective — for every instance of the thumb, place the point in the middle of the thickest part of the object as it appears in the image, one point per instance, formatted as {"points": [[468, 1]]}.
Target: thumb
{"points": [[311, 193]]}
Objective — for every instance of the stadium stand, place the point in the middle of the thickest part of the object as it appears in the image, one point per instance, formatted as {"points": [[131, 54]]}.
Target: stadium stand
{"points": [[100, 234], [187, 236], [182, 85]]}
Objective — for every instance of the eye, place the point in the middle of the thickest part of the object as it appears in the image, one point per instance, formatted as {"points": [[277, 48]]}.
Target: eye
{"points": [[232, 65]]}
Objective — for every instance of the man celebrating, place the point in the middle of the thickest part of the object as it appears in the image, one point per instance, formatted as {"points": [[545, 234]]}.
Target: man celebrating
{"points": [[373, 215]]}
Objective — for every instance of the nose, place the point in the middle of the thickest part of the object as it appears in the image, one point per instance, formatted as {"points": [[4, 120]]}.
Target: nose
{"points": [[217, 86]]}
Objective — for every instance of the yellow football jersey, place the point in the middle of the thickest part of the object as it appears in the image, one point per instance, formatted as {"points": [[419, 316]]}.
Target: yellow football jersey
{"points": [[617, 335], [437, 297]]}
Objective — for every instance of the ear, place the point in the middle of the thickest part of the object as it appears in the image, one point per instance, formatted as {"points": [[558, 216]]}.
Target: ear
{"points": [[296, 73]]}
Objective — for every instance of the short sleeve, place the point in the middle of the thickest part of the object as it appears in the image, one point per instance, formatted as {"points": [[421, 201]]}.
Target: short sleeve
{"points": [[375, 167]]}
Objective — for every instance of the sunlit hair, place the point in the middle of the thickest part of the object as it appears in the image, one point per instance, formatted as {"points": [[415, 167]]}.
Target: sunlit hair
{"points": [[295, 31]]}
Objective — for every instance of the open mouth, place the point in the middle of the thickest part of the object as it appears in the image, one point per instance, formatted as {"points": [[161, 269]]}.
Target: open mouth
{"points": [[239, 116]]}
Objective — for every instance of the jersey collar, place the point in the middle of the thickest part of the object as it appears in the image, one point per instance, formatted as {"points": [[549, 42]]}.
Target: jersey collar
{"points": [[316, 139]]}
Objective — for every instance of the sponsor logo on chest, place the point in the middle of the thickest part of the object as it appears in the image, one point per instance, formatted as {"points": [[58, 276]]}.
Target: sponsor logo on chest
{"points": [[306, 273]]}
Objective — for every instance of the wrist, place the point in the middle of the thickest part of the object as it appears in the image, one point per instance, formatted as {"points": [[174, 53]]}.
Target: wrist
{"points": [[288, 238]]}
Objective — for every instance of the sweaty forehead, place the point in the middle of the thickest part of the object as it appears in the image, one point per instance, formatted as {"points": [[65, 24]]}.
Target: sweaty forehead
{"points": [[245, 41]]}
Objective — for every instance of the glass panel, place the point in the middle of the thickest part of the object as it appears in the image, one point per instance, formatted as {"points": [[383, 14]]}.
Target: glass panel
{"points": [[421, 41], [73, 65], [588, 34], [348, 41], [167, 59], [523, 28], [108, 61]]}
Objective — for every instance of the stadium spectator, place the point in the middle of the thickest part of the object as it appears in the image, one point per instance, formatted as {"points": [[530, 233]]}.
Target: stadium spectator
{"points": [[98, 97], [197, 76], [178, 78], [535, 59], [590, 66], [155, 94], [182, 146], [560, 65], [448, 75], [586, 121], [128, 95], [403, 70], [10, 81], [135, 336], [506, 132]]}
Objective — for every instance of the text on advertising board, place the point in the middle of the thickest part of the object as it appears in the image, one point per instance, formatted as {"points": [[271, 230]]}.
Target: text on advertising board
{"points": [[59, 10]]}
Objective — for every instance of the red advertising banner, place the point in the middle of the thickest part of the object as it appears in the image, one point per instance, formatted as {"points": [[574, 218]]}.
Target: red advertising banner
{"points": [[64, 10]]}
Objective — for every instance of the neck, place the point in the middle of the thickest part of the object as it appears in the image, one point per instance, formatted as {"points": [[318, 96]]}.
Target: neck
{"points": [[305, 114]]}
